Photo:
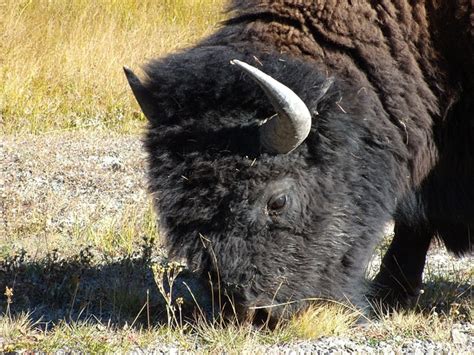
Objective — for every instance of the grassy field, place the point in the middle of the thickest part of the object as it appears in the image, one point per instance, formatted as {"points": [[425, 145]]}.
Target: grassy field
{"points": [[78, 237], [61, 61]]}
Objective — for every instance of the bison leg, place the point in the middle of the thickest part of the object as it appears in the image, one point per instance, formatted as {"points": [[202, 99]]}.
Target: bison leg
{"points": [[399, 280]]}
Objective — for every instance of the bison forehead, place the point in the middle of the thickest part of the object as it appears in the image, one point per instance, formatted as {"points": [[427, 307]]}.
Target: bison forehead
{"points": [[205, 174], [202, 188], [198, 154], [200, 135]]}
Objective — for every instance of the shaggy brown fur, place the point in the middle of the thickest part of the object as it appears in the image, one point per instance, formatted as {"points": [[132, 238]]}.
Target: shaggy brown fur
{"points": [[395, 48]]}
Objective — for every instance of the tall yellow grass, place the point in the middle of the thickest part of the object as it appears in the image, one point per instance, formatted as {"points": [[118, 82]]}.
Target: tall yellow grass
{"points": [[61, 60]]}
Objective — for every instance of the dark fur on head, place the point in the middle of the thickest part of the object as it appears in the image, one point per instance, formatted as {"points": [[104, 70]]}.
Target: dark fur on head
{"points": [[382, 144]]}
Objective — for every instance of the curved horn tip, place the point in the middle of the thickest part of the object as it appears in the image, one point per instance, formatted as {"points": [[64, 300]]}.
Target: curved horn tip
{"points": [[245, 66], [235, 62]]}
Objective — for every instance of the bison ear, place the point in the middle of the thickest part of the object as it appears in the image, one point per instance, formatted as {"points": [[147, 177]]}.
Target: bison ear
{"points": [[143, 96]]}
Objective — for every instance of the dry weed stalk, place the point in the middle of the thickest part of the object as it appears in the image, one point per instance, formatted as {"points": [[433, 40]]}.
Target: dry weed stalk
{"points": [[166, 276]]}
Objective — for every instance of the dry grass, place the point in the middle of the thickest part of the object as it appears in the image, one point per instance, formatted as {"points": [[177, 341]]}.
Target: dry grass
{"points": [[20, 333], [95, 286], [119, 236], [61, 61], [314, 323], [324, 320], [413, 325]]}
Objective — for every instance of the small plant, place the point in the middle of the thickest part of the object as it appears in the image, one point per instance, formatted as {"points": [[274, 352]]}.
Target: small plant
{"points": [[9, 295], [165, 277]]}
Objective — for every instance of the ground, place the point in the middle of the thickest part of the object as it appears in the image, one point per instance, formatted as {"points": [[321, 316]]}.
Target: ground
{"points": [[78, 243]]}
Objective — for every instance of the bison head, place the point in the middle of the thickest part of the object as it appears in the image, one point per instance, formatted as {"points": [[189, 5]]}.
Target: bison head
{"points": [[272, 184]]}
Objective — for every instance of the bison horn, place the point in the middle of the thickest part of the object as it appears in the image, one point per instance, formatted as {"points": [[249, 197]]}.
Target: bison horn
{"points": [[285, 131]]}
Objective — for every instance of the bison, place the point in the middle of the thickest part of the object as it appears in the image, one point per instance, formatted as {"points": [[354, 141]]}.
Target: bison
{"points": [[280, 146]]}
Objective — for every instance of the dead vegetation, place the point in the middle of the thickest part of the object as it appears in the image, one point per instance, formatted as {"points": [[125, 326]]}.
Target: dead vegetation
{"points": [[61, 61]]}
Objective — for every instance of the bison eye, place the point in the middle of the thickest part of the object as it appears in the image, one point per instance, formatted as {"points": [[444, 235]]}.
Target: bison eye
{"points": [[277, 203]]}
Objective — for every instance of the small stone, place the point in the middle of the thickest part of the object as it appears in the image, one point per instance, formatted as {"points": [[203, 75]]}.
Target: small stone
{"points": [[459, 337], [112, 163]]}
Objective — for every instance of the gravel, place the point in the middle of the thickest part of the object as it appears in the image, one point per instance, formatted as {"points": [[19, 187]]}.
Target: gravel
{"points": [[54, 184], [51, 184], [397, 345]]}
